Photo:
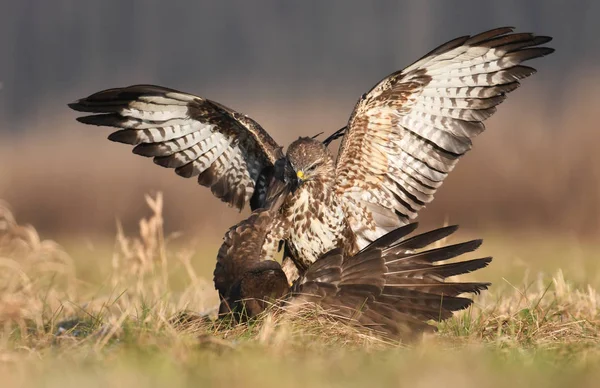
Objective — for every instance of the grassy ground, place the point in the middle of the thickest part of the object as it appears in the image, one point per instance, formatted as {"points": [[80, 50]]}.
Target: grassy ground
{"points": [[106, 319]]}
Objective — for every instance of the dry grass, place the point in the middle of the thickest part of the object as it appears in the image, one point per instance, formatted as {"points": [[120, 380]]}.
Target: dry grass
{"points": [[118, 329], [37, 278]]}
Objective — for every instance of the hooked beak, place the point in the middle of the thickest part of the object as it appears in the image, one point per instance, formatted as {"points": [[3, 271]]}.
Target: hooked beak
{"points": [[285, 173], [295, 179]]}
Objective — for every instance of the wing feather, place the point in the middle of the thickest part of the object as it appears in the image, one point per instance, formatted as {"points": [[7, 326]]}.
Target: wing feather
{"points": [[195, 136], [388, 286], [407, 133]]}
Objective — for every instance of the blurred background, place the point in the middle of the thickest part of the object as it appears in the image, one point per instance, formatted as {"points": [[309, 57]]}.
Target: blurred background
{"points": [[298, 69]]}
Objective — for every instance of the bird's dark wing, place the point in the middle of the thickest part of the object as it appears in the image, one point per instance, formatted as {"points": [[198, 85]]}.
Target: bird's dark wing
{"points": [[227, 150], [392, 286], [416, 284], [407, 133]]}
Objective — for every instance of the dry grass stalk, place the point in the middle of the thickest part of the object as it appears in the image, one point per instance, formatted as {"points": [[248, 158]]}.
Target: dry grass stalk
{"points": [[39, 284], [543, 312], [37, 277]]}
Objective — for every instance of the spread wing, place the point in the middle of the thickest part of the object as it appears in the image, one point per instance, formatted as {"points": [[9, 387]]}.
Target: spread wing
{"points": [[393, 286], [228, 151], [407, 133]]}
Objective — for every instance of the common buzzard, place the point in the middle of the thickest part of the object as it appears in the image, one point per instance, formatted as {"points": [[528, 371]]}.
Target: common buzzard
{"points": [[402, 139], [392, 286]]}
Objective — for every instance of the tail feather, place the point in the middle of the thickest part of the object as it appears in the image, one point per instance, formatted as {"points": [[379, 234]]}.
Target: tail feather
{"points": [[326, 270], [453, 303], [432, 255], [440, 272], [441, 288], [424, 239], [390, 238]]}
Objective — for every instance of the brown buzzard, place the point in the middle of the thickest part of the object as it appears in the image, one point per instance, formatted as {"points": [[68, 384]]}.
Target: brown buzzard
{"points": [[402, 139], [392, 286]]}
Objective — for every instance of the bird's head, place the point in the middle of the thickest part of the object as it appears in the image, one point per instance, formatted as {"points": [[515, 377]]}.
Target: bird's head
{"points": [[307, 160], [259, 286]]}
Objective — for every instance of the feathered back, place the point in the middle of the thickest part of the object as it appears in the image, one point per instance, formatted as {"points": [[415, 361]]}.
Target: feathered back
{"points": [[240, 250]]}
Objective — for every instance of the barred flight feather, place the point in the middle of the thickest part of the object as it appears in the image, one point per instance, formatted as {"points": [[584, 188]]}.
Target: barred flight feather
{"points": [[420, 120], [190, 134]]}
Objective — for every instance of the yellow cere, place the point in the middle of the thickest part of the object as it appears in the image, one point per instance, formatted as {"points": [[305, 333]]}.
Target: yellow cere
{"points": [[300, 174]]}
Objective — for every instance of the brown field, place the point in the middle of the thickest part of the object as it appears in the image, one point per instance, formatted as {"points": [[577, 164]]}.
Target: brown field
{"points": [[105, 318], [530, 188]]}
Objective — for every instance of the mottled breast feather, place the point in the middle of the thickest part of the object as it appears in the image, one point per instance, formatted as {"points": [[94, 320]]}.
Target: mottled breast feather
{"points": [[407, 133]]}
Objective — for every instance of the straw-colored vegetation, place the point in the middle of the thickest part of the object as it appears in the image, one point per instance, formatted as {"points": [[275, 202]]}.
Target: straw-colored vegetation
{"points": [[123, 327], [99, 310]]}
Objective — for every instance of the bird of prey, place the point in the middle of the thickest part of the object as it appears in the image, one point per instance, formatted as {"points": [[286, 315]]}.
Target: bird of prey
{"points": [[402, 139], [392, 286]]}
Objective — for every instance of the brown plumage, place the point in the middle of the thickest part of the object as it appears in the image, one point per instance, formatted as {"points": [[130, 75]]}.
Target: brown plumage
{"points": [[407, 133], [241, 273], [402, 139], [392, 286], [228, 151]]}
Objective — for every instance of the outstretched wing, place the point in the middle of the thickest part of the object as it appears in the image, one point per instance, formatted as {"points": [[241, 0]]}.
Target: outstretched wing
{"points": [[228, 151], [392, 286], [407, 133]]}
